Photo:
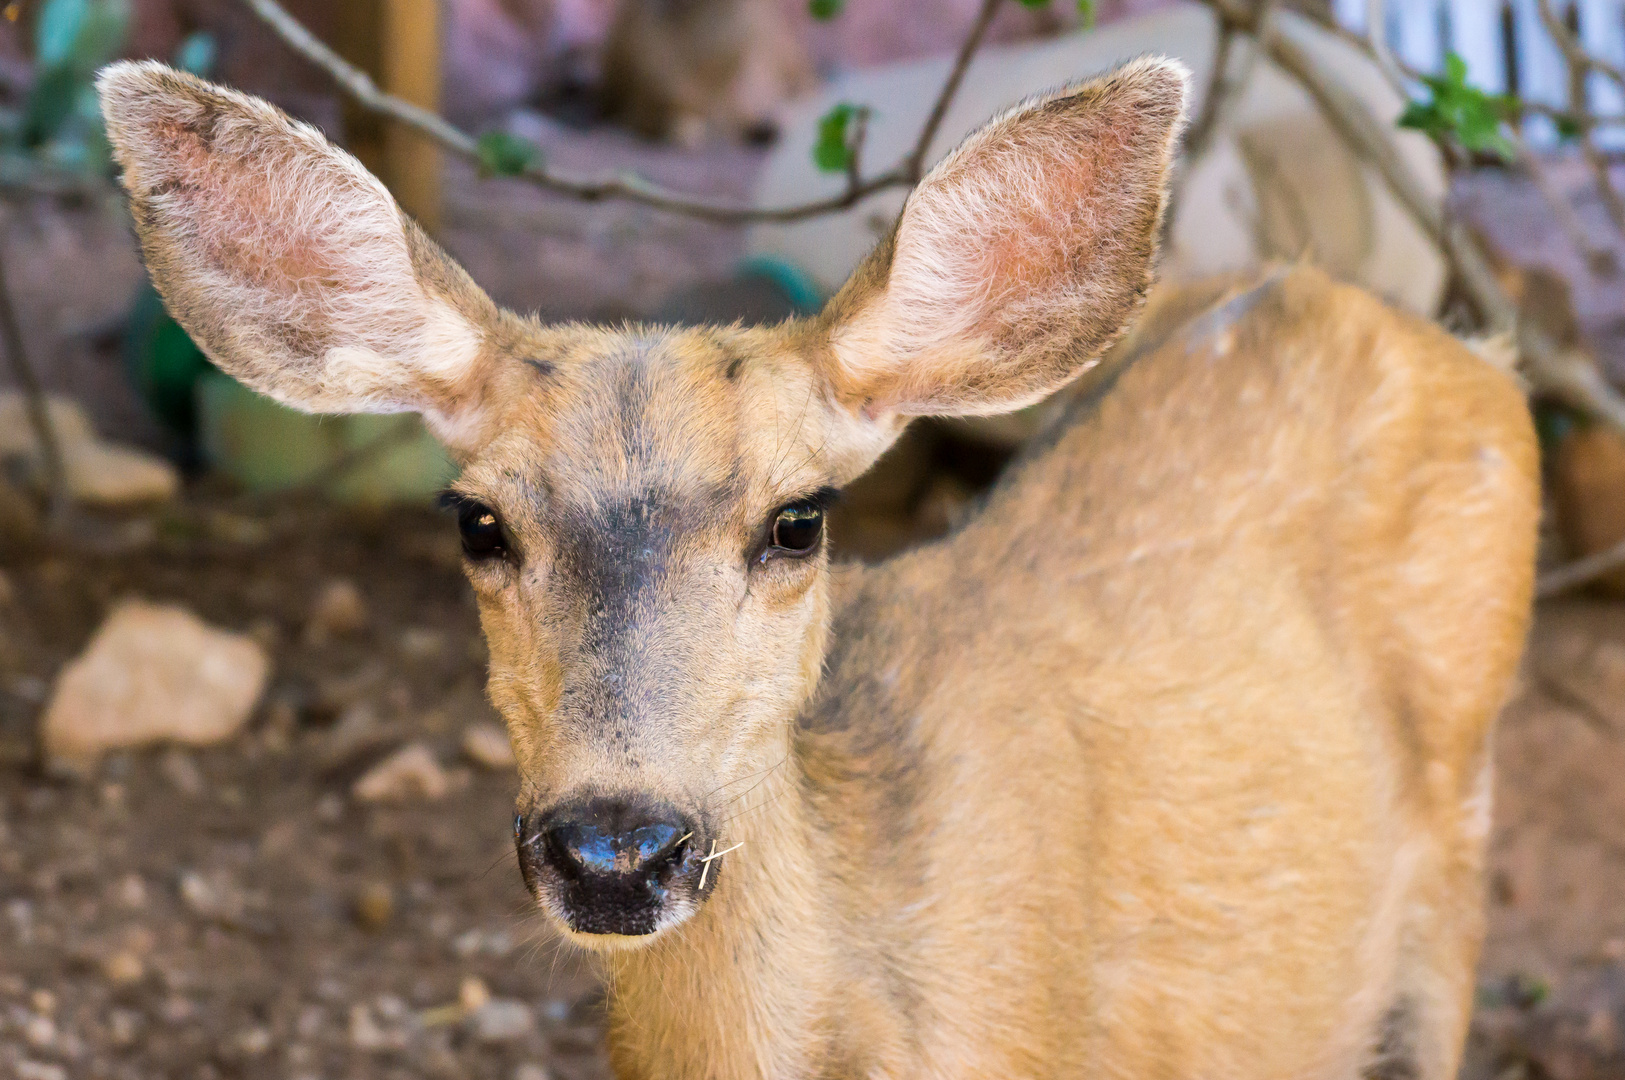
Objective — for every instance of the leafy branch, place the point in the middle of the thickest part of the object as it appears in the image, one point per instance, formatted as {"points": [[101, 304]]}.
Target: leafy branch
{"points": [[501, 154]]}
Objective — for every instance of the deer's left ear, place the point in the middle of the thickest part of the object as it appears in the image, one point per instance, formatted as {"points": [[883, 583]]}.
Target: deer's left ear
{"points": [[1018, 259]]}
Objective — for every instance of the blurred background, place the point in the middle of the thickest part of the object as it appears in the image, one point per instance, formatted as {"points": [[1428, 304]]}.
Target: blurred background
{"points": [[254, 809]]}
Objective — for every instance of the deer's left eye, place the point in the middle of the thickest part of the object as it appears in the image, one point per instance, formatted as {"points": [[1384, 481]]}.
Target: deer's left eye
{"points": [[798, 527]]}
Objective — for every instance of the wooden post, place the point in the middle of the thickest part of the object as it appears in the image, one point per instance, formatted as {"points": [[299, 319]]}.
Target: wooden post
{"points": [[410, 40]]}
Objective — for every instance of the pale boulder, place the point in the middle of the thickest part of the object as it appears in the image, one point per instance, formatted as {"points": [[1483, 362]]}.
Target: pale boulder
{"points": [[97, 472], [153, 673]]}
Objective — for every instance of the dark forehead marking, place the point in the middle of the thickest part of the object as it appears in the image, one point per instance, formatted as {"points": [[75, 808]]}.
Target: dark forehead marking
{"points": [[734, 365], [546, 367]]}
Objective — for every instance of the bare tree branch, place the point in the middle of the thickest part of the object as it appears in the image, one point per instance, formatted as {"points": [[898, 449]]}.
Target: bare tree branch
{"points": [[1580, 572], [366, 93], [914, 164], [38, 407], [1566, 374]]}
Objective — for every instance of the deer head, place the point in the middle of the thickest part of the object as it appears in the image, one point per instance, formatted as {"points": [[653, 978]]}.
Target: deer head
{"points": [[642, 508]]}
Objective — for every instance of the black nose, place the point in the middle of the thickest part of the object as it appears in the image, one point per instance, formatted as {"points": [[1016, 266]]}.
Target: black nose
{"points": [[614, 839]]}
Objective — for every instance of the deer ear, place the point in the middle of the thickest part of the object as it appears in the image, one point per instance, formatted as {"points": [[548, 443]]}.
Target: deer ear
{"points": [[287, 262], [1019, 258]]}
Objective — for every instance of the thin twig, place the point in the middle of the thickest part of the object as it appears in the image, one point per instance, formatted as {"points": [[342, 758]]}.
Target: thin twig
{"points": [[37, 405], [1580, 572], [1578, 57], [1599, 259], [1598, 163], [361, 88], [1219, 89], [1376, 28], [342, 466], [860, 135], [914, 165], [1567, 374]]}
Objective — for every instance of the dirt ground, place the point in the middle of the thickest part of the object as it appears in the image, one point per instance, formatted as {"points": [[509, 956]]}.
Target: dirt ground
{"points": [[236, 913]]}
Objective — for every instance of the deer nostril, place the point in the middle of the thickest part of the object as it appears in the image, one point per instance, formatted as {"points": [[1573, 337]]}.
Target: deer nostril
{"points": [[609, 844]]}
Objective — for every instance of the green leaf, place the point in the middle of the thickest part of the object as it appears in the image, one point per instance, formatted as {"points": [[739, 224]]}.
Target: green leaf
{"points": [[832, 152], [197, 54], [1034, 3], [825, 10], [1086, 14], [50, 103], [503, 154], [1457, 109], [1568, 127]]}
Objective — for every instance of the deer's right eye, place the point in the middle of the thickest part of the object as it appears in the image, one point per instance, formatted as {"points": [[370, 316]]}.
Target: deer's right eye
{"points": [[481, 531]]}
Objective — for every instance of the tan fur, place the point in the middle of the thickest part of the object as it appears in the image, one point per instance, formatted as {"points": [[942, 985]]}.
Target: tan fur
{"points": [[1172, 762], [687, 70]]}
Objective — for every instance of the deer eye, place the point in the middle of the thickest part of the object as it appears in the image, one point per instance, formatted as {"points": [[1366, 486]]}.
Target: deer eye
{"points": [[798, 527], [481, 531]]}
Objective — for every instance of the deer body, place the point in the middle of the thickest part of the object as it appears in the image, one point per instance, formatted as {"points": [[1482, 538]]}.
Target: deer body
{"points": [[1139, 776], [1172, 762]]}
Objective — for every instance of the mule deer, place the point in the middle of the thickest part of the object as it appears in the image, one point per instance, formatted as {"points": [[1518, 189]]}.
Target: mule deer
{"points": [[1172, 762]]}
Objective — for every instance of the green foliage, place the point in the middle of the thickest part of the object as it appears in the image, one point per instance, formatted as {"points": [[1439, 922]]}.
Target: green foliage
{"points": [[1086, 13], [504, 154], [1459, 110], [825, 9], [833, 151]]}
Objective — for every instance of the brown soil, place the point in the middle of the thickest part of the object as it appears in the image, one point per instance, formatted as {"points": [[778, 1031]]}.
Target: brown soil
{"points": [[110, 966]]}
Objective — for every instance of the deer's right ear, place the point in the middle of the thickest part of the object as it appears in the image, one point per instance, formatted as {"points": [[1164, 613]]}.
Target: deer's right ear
{"points": [[288, 263]]}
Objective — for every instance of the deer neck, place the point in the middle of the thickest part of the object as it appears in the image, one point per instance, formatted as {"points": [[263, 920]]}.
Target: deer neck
{"points": [[743, 988]]}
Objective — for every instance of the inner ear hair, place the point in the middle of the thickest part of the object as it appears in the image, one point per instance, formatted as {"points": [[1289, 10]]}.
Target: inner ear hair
{"points": [[1019, 258], [288, 263]]}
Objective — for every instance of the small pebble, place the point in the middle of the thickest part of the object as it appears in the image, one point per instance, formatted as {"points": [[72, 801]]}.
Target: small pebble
{"points": [[39, 1031], [131, 892], [123, 1025], [39, 1070], [374, 906], [124, 968], [181, 772], [254, 1042], [502, 1020], [339, 609], [409, 773], [472, 993], [488, 745]]}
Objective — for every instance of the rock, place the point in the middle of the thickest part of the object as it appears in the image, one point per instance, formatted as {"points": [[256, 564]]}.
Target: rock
{"points": [[131, 892], [98, 473], [529, 1070], [472, 993], [213, 896], [153, 673], [124, 968], [339, 609], [374, 906], [39, 1070], [488, 745], [123, 1025], [1588, 492], [182, 772], [411, 772], [501, 1020], [366, 1033]]}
